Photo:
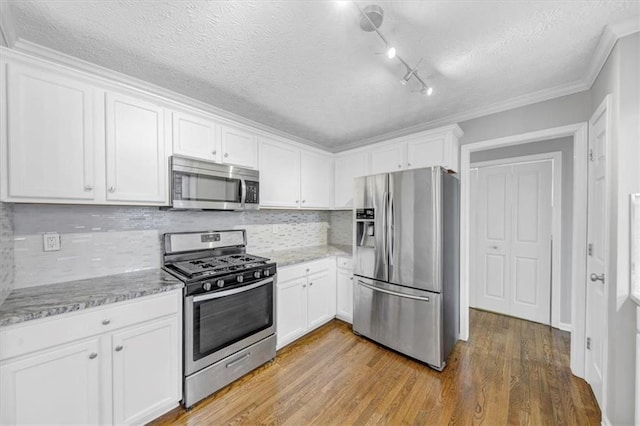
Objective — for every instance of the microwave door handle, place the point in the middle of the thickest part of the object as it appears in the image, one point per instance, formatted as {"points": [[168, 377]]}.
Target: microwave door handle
{"points": [[243, 191]]}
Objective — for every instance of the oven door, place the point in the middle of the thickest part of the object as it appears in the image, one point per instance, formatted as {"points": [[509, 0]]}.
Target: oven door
{"points": [[222, 323]]}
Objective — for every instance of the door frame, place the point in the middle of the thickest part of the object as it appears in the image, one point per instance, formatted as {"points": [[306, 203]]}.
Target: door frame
{"points": [[579, 241], [556, 224]]}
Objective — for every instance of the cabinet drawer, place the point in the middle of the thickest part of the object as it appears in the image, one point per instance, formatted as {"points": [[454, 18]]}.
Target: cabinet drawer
{"points": [[46, 332], [345, 263], [292, 272]]}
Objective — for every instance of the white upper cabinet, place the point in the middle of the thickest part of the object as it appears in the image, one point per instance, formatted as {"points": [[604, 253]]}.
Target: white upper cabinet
{"points": [[279, 174], [239, 147], [49, 143], [195, 136], [136, 158], [316, 180], [347, 167], [387, 158]]}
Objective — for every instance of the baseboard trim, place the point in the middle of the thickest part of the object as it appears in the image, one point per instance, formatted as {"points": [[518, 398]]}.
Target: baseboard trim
{"points": [[564, 326]]}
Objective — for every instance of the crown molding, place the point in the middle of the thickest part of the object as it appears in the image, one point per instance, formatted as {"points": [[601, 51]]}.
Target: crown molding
{"points": [[41, 52], [611, 34], [7, 31], [519, 101]]}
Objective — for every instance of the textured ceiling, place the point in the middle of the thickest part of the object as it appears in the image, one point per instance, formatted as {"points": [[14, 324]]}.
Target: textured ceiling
{"points": [[306, 67]]}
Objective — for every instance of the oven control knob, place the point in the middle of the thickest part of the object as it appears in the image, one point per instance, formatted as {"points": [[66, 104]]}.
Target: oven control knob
{"points": [[206, 286], [256, 274], [220, 283], [266, 273], [240, 278]]}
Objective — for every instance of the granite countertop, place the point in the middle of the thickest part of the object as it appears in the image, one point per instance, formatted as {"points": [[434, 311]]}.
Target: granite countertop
{"points": [[306, 254], [43, 301]]}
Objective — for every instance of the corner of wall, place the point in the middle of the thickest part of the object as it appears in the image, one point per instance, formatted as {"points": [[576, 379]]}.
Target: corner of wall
{"points": [[7, 265]]}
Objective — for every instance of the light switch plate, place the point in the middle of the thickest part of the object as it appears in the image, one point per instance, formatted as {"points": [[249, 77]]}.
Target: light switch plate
{"points": [[51, 241]]}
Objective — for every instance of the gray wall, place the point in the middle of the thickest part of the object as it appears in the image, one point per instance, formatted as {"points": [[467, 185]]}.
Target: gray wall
{"points": [[619, 77], [565, 145], [556, 112], [6, 250]]}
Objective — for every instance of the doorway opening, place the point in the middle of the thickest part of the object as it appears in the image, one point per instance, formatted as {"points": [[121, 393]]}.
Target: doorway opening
{"points": [[578, 134]]}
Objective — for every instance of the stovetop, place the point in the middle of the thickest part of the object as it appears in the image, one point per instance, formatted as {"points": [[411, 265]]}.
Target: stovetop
{"points": [[216, 265]]}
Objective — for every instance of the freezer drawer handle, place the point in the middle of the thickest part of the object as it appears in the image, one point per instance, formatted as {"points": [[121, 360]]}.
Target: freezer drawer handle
{"points": [[393, 293]]}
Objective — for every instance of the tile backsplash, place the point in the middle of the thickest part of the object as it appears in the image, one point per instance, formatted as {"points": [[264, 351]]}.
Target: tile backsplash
{"points": [[103, 240], [6, 250]]}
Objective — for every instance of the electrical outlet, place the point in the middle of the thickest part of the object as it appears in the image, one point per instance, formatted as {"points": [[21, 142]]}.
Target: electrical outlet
{"points": [[51, 241]]}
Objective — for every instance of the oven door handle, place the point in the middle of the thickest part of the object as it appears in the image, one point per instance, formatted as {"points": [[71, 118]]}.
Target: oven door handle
{"points": [[220, 294]]}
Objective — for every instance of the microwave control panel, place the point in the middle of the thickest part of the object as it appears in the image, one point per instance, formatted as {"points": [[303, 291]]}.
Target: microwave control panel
{"points": [[252, 192]]}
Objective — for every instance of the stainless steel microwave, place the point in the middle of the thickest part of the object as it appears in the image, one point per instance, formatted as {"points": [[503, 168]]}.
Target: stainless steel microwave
{"points": [[197, 184]]}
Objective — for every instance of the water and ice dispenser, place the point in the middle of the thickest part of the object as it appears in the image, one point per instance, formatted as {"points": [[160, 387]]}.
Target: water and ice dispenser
{"points": [[365, 229]]}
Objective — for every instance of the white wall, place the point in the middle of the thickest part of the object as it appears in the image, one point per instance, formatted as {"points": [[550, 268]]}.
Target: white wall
{"points": [[565, 145], [619, 77]]}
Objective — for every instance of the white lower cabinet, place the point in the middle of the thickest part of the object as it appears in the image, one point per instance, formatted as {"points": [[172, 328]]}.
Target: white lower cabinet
{"points": [[306, 298], [119, 364], [60, 385], [344, 290]]}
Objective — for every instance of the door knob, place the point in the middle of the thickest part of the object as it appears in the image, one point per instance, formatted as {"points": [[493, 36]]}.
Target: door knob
{"points": [[214, 152], [93, 355], [596, 277], [119, 348], [112, 189], [226, 154]]}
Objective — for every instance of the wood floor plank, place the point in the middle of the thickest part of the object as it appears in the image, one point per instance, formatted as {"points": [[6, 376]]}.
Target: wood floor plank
{"points": [[509, 372]]}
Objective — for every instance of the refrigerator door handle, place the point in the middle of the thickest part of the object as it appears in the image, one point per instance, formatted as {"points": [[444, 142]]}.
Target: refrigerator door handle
{"points": [[385, 228], [390, 229], [394, 293]]}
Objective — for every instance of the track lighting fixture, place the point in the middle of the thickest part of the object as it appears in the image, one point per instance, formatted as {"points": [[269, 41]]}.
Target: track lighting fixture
{"points": [[370, 20]]}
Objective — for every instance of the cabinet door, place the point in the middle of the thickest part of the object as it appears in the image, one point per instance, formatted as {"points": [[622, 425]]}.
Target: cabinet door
{"points": [[386, 159], [348, 167], [291, 310], [146, 370], [316, 180], [279, 174], [60, 385], [49, 152], [427, 152], [136, 159], [321, 298], [239, 147], [344, 297], [195, 137]]}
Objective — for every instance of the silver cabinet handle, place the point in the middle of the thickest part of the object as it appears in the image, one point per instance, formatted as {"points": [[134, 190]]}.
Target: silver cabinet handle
{"points": [[304, 201], [214, 152], [304, 286], [408, 164], [310, 284], [307, 269], [106, 322], [494, 247], [399, 166], [596, 277], [93, 355], [112, 189], [297, 201], [88, 188], [119, 348], [351, 278], [226, 154]]}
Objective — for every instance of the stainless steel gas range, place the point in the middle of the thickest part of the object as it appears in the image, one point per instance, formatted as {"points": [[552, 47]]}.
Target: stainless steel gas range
{"points": [[229, 308]]}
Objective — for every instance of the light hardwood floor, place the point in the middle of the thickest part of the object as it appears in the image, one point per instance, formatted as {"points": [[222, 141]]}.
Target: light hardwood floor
{"points": [[509, 372]]}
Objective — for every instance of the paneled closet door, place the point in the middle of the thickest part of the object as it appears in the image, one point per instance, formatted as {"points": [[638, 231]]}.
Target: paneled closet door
{"points": [[514, 240]]}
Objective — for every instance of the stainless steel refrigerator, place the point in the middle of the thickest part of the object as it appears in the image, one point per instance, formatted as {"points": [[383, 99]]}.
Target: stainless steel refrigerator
{"points": [[406, 262]]}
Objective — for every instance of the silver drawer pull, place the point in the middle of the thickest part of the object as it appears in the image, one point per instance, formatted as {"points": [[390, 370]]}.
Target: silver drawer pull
{"points": [[226, 154], [242, 358], [88, 188], [119, 348], [106, 322], [214, 152], [112, 189], [93, 355]]}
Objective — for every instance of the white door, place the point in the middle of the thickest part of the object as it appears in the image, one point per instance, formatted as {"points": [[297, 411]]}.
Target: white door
{"points": [[239, 147], [316, 180], [344, 295], [50, 136], [291, 310], [146, 370], [54, 386], [348, 167], [195, 137], [597, 236], [387, 158], [321, 298], [514, 208], [279, 174], [136, 159]]}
